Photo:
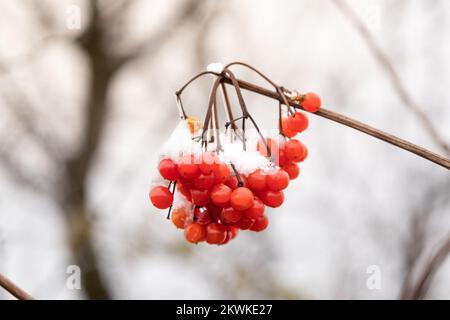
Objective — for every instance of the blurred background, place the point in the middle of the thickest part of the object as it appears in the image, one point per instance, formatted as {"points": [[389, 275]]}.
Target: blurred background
{"points": [[86, 101]]}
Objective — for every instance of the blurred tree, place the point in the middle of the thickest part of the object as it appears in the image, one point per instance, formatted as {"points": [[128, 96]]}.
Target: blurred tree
{"points": [[98, 43]]}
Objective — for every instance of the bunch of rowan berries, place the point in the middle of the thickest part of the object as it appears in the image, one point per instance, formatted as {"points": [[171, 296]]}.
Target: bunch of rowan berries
{"points": [[217, 200]]}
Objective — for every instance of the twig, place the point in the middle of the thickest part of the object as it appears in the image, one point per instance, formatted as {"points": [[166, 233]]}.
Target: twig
{"points": [[421, 285], [388, 67], [12, 288], [349, 122]]}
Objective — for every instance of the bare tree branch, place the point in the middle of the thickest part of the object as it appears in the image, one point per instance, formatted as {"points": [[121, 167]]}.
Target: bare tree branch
{"points": [[393, 75], [415, 246], [20, 107], [12, 288], [187, 11], [352, 123], [420, 287]]}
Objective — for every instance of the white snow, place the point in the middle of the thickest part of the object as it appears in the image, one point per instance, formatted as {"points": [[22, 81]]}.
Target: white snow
{"points": [[215, 67]]}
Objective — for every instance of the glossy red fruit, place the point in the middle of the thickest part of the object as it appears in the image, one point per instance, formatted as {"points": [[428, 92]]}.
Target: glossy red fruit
{"points": [[260, 224], [257, 180], [299, 122], [241, 198], [179, 217], [279, 180], [216, 233], [271, 143], [230, 215], [207, 162], [195, 233], [292, 169], [256, 210], [202, 216], [221, 172], [188, 183], [233, 182], [168, 169], [200, 197], [220, 194], [227, 238], [272, 199], [245, 223], [282, 160], [295, 150], [186, 192], [286, 128], [233, 232], [161, 197], [204, 182], [188, 168], [311, 102], [215, 211]]}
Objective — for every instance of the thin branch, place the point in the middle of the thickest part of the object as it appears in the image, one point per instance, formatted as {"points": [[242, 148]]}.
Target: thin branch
{"points": [[393, 75], [186, 12], [12, 288], [349, 122], [21, 108], [419, 289]]}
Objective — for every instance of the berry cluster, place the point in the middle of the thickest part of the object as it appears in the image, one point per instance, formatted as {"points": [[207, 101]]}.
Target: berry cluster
{"points": [[221, 189], [220, 202]]}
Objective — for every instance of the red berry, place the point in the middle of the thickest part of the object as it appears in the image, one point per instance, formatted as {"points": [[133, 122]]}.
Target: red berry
{"points": [[204, 182], [184, 191], [168, 169], [271, 143], [233, 182], [273, 199], [207, 162], [230, 215], [200, 197], [215, 211], [187, 167], [202, 217], [299, 122], [161, 197], [179, 217], [260, 224], [221, 172], [282, 160], [245, 223], [227, 238], [287, 129], [233, 232], [292, 169], [220, 194], [257, 180], [216, 233], [188, 183], [278, 180], [241, 198], [295, 150], [311, 102], [195, 233], [256, 210]]}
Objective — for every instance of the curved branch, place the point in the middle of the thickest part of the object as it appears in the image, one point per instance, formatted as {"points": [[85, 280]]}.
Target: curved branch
{"points": [[12, 288], [349, 122], [393, 75], [419, 289]]}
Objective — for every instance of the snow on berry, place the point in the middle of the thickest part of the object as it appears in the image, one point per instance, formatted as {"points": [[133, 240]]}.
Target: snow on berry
{"points": [[216, 183]]}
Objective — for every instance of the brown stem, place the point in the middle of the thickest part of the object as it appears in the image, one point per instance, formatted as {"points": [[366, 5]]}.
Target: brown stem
{"points": [[12, 288], [419, 289], [349, 122], [393, 75]]}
